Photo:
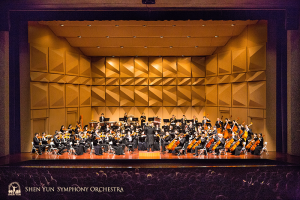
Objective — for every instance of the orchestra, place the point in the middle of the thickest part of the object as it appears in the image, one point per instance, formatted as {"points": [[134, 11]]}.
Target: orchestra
{"points": [[177, 137]]}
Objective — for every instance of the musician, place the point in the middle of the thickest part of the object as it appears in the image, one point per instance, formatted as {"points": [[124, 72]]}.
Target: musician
{"points": [[173, 119], [181, 148], [150, 138], [156, 141], [171, 130], [166, 141], [157, 129], [36, 143], [201, 145], [216, 138], [63, 139], [238, 149], [129, 141], [227, 124], [178, 127], [70, 130], [142, 141], [219, 123], [101, 118], [143, 119], [62, 128], [58, 145], [221, 145], [191, 128], [249, 130], [116, 146], [131, 128], [125, 117], [107, 129], [205, 120], [44, 139], [195, 121], [165, 127], [259, 147], [183, 122]]}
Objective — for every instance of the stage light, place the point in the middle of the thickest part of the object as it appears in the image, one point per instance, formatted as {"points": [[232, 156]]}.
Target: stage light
{"points": [[216, 36], [121, 47], [145, 47], [113, 56], [62, 25], [161, 36], [116, 25], [89, 25], [171, 47], [188, 36], [134, 36], [196, 46], [79, 36], [148, 1], [232, 24], [174, 25], [98, 47], [107, 36], [203, 25], [144, 25]]}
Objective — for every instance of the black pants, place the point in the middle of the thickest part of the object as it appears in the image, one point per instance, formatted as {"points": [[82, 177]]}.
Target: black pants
{"points": [[40, 147], [197, 148], [150, 145], [142, 146], [61, 148], [98, 150]]}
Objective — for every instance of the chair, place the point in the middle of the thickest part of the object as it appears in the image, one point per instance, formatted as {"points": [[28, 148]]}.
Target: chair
{"points": [[244, 150], [71, 150], [265, 149], [53, 148], [92, 148], [34, 148], [110, 149]]}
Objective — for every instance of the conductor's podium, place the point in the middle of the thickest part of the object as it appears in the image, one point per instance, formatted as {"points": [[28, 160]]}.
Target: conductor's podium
{"points": [[149, 155]]}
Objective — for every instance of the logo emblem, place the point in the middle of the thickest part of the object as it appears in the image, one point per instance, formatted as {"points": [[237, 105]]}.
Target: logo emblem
{"points": [[14, 189]]}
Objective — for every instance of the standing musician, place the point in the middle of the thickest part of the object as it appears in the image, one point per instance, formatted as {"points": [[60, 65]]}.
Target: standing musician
{"points": [[205, 121], [36, 143], [173, 120], [201, 145], [62, 128], [181, 148], [226, 124], [58, 145], [183, 122], [195, 121], [125, 117], [143, 119], [219, 123], [259, 147], [101, 118], [156, 141]]}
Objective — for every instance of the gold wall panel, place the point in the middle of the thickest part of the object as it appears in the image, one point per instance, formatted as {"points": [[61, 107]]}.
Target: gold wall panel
{"points": [[57, 117], [198, 81], [211, 80], [39, 95], [141, 81], [184, 81], [85, 81], [57, 95], [112, 96], [184, 96], [211, 92], [39, 76], [112, 81], [112, 67], [224, 63], [198, 112], [155, 96], [35, 114], [239, 60], [257, 94], [141, 95], [73, 79], [224, 95], [155, 81], [256, 113], [56, 61], [211, 113], [126, 67], [98, 67], [224, 79], [256, 76], [239, 94], [198, 96], [141, 67], [57, 78], [38, 58], [257, 58], [96, 112], [169, 96], [86, 114], [72, 95], [138, 112], [169, 81], [211, 65], [169, 67], [155, 67], [167, 112], [126, 95], [98, 81], [184, 68], [198, 66], [235, 78], [126, 81], [72, 63], [155, 111], [85, 95], [187, 111], [129, 110], [241, 113], [98, 95], [85, 66], [113, 113]]}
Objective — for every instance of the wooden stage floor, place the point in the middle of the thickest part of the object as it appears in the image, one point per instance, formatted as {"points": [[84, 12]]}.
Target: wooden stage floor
{"points": [[144, 159]]}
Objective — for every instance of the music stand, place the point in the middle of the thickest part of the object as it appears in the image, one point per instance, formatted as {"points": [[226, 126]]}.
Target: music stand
{"points": [[151, 119], [135, 119], [121, 119], [106, 119], [166, 120]]}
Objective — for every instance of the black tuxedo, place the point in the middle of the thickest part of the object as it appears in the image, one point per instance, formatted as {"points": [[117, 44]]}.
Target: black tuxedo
{"points": [[101, 119], [200, 146], [181, 145], [219, 124], [59, 146], [36, 144], [150, 138]]}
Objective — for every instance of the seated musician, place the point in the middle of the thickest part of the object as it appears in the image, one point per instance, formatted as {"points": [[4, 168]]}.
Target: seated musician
{"points": [[36, 143], [205, 120], [259, 147], [221, 145], [181, 147], [135, 138], [237, 150], [195, 121], [157, 129], [63, 140], [116, 145], [131, 128], [58, 145], [107, 129], [129, 141], [178, 127], [165, 126], [143, 119], [183, 121], [219, 123], [97, 142], [216, 138], [201, 144], [142, 142], [44, 140], [62, 128], [166, 141]]}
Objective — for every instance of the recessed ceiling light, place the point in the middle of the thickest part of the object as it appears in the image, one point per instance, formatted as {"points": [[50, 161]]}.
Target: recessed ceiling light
{"points": [[79, 36], [196, 46], [161, 36], [145, 47], [174, 25], [107, 36], [216, 36], [232, 24], [62, 25], [144, 25], [98, 47], [121, 47], [113, 56], [203, 25], [188, 36], [171, 47], [89, 25], [116, 25], [136, 56], [134, 36]]}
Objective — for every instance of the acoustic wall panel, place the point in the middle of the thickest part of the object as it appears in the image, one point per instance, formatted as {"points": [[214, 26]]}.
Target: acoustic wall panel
{"points": [[198, 66], [257, 94], [155, 111], [112, 67], [224, 63], [85, 81], [57, 95], [141, 95], [141, 81], [211, 113], [239, 94], [198, 112], [187, 111], [155, 67], [98, 67], [113, 113], [98, 95], [224, 95], [112, 81], [211, 95], [236, 78], [56, 60], [138, 111], [72, 63], [212, 80], [184, 96], [85, 95], [112, 96], [256, 76], [57, 78], [169, 96], [57, 117], [85, 66], [184, 68], [141, 67], [239, 60], [169, 81], [97, 111], [73, 79], [224, 79], [129, 110], [126, 67], [39, 77], [98, 81], [198, 81], [86, 114], [198, 96], [241, 114], [184, 81], [126, 95], [72, 95], [39, 95], [169, 67], [212, 65], [257, 58], [38, 58], [155, 96], [169, 111], [155, 81], [126, 81]]}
